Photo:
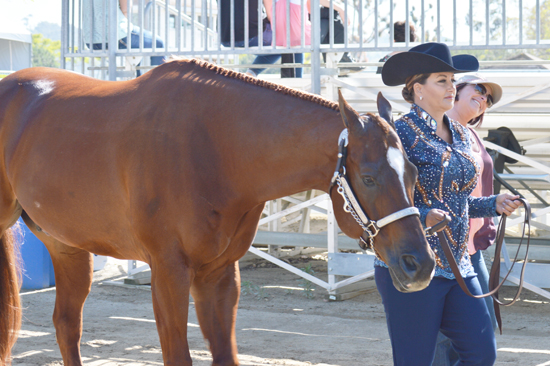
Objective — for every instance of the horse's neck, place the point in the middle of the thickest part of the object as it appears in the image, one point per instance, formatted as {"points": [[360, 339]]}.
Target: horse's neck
{"points": [[301, 157]]}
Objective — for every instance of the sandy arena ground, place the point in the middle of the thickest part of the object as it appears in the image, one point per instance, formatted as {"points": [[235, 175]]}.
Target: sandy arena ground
{"points": [[277, 325]]}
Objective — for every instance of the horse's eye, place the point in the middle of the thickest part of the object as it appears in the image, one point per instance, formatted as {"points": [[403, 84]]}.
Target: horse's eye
{"points": [[368, 180]]}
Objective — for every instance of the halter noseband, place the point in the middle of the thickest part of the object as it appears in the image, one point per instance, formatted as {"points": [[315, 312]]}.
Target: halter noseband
{"points": [[351, 203]]}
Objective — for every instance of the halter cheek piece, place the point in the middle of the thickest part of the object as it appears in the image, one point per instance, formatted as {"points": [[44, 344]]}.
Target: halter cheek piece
{"points": [[351, 203]]}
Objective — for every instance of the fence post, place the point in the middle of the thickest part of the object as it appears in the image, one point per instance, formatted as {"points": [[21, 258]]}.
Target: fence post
{"points": [[64, 30], [315, 47], [113, 38]]}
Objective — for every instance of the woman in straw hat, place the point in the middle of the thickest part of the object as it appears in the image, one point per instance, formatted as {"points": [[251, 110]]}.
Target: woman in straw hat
{"points": [[474, 95], [440, 148]]}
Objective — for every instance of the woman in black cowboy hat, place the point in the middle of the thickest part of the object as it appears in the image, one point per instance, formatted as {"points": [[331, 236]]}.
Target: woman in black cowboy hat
{"points": [[447, 173], [474, 95]]}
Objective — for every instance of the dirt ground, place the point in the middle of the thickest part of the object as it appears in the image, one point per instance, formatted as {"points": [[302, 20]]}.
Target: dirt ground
{"points": [[281, 321]]}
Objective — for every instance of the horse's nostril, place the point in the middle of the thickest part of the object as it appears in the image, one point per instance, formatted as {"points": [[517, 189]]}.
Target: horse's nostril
{"points": [[409, 265]]}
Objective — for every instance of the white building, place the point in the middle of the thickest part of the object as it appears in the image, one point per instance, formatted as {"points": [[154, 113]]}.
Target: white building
{"points": [[15, 47]]}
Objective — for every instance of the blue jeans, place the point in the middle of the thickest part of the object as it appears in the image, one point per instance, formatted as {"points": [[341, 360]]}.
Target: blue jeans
{"points": [[271, 59], [414, 320], [445, 354], [134, 43], [254, 41]]}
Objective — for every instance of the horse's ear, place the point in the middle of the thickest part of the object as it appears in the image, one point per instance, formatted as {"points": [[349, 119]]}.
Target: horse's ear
{"points": [[384, 109], [349, 116]]}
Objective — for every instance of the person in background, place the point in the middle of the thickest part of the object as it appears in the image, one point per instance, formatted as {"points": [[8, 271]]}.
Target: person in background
{"points": [[339, 19], [95, 29], [240, 22], [440, 148], [256, 16], [339, 16], [280, 28], [474, 95], [399, 35], [295, 36]]}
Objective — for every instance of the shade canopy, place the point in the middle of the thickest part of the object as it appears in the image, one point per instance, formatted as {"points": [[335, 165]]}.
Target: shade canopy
{"points": [[15, 46]]}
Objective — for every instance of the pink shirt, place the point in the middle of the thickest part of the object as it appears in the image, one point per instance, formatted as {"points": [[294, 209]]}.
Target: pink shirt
{"points": [[476, 224], [296, 17], [485, 236]]}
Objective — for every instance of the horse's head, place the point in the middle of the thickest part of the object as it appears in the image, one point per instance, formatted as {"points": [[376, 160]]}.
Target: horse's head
{"points": [[377, 172]]}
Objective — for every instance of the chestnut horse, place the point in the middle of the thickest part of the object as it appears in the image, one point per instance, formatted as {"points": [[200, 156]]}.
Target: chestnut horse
{"points": [[173, 169]]}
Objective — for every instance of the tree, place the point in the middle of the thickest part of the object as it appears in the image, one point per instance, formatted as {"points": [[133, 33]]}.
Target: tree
{"points": [[531, 27], [48, 30], [45, 52]]}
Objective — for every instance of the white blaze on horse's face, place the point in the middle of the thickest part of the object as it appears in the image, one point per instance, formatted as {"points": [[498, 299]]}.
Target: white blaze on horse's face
{"points": [[43, 86], [397, 162]]}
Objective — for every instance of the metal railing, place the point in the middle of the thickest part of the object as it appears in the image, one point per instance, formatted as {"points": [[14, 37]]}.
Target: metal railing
{"points": [[191, 28]]}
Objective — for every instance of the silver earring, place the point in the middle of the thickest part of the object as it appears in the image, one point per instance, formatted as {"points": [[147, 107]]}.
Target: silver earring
{"points": [[420, 97]]}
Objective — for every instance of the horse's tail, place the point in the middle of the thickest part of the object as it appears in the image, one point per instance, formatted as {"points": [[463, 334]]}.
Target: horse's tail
{"points": [[10, 306]]}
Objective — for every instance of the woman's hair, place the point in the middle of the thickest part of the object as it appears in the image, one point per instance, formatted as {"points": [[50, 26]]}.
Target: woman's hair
{"points": [[399, 33], [475, 122], [408, 89]]}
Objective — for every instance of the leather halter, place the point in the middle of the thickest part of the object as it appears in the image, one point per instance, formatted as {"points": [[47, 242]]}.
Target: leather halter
{"points": [[351, 204]]}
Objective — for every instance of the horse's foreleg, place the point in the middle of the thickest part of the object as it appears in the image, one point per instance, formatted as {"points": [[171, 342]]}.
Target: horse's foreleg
{"points": [[73, 280], [216, 298], [216, 291], [170, 282]]}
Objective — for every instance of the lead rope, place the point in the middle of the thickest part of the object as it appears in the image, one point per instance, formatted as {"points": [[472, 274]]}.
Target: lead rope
{"points": [[494, 284]]}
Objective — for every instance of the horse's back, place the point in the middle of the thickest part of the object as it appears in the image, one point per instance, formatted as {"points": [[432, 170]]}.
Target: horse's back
{"points": [[116, 158], [123, 158]]}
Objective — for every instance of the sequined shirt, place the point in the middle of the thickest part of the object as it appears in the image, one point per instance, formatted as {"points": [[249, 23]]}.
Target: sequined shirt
{"points": [[447, 174]]}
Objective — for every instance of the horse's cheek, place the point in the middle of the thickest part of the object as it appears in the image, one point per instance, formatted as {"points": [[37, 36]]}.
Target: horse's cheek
{"points": [[345, 221]]}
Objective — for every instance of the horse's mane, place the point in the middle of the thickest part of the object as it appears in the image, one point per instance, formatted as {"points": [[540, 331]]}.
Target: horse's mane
{"points": [[254, 81]]}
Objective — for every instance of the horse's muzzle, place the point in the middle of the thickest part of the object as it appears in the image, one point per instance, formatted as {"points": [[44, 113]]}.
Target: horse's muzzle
{"points": [[413, 272]]}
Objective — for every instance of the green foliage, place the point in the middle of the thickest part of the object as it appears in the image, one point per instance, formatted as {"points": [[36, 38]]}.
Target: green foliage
{"points": [[250, 288], [308, 285], [48, 30], [45, 52], [512, 26], [531, 30]]}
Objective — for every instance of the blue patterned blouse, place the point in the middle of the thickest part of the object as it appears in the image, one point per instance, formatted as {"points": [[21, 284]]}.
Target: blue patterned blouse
{"points": [[447, 174]]}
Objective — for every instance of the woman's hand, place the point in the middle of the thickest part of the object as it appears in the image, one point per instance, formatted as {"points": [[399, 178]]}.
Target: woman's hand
{"points": [[506, 204], [434, 217]]}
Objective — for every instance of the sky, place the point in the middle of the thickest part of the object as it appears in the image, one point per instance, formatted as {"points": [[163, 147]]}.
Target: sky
{"points": [[36, 10]]}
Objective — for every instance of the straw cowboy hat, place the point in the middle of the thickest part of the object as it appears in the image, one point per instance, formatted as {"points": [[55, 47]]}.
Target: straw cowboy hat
{"points": [[426, 58], [478, 79]]}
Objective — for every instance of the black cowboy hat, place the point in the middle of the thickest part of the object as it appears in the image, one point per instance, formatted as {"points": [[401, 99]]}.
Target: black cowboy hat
{"points": [[426, 58]]}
